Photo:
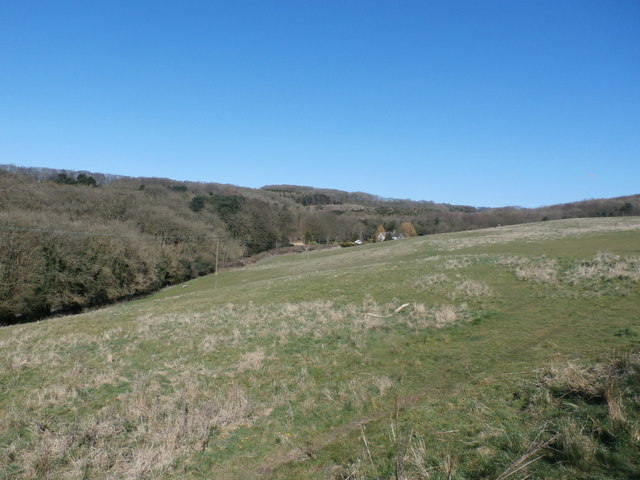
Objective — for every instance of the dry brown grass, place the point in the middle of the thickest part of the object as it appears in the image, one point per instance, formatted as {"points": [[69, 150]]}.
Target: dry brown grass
{"points": [[602, 267], [415, 458], [613, 396], [383, 384], [456, 263], [536, 231], [444, 315], [415, 462], [437, 316], [210, 343], [428, 282], [142, 439], [543, 271], [453, 286], [598, 382], [473, 288], [251, 360], [571, 379], [605, 266]]}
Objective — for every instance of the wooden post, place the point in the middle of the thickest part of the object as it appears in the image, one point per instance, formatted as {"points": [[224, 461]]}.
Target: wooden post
{"points": [[217, 245]]}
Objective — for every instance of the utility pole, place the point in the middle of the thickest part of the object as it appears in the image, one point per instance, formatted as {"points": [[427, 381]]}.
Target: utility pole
{"points": [[217, 245]]}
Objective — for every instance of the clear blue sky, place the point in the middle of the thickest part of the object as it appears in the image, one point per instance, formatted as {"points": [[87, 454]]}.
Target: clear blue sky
{"points": [[485, 103]]}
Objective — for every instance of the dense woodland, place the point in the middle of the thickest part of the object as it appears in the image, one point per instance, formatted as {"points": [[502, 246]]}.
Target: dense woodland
{"points": [[70, 240]]}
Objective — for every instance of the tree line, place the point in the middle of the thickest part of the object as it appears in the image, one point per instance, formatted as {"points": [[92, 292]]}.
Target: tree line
{"points": [[72, 240]]}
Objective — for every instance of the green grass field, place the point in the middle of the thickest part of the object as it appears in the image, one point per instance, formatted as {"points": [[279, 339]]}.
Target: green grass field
{"points": [[505, 353]]}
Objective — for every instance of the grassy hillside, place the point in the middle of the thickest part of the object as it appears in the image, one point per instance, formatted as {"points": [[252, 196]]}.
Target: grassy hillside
{"points": [[76, 240], [510, 352]]}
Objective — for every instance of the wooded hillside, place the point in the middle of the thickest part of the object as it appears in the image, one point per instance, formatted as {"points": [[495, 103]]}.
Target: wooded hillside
{"points": [[70, 240]]}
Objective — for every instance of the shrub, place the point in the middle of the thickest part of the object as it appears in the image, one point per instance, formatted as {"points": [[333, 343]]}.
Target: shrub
{"points": [[197, 203]]}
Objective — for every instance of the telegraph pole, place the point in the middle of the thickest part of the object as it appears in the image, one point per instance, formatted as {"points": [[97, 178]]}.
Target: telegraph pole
{"points": [[217, 245]]}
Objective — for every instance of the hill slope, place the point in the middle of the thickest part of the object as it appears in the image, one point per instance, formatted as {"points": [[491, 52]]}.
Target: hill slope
{"points": [[448, 356], [71, 240]]}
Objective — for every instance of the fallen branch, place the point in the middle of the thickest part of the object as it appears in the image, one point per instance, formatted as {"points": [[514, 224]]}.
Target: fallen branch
{"points": [[401, 307], [397, 310]]}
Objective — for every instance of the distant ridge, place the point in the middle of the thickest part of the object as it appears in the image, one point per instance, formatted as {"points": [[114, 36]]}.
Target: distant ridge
{"points": [[335, 196], [43, 173]]}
